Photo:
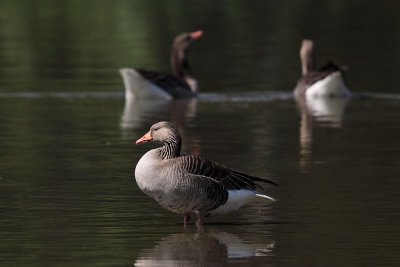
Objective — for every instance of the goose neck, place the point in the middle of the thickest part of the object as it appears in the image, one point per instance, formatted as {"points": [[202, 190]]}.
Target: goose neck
{"points": [[171, 147]]}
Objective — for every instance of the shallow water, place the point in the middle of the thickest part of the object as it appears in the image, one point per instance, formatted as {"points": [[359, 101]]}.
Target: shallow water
{"points": [[67, 155]]}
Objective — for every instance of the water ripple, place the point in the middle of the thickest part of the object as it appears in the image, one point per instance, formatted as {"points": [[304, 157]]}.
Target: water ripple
{"points": [[252, 96]]}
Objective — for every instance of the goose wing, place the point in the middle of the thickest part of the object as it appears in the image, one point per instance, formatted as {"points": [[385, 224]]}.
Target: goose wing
{"points": [[205, 183], [228, 178], [170, 83], [323, 72]]}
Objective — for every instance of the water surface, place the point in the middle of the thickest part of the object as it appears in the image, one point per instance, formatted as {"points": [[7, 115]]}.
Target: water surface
{"points": [[67, 155]]}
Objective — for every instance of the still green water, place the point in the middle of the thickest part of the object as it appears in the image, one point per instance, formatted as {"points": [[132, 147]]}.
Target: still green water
{"points": [[67, 155]]}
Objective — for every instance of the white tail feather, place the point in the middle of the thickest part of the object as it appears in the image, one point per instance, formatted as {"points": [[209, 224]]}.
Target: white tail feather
{"points": [[265, 196]]}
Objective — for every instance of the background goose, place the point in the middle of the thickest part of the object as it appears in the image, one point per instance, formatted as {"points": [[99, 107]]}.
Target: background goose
{"points": [[325, 82], [191, 184], [141, 83]]}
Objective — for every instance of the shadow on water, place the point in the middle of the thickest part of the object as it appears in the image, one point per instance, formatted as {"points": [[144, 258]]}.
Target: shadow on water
{"points": [[207, 246]]}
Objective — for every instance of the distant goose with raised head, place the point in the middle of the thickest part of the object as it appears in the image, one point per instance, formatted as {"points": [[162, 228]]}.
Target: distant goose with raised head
{"points": [[149, 84], [188, 183], [325, 82]]}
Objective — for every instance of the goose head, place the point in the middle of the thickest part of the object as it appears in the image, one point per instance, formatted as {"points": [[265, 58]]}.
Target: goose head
{"points": [[182, 44], [161, 132], [184, 40]]}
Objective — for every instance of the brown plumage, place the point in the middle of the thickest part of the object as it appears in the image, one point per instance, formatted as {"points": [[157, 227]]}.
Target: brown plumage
{"points": [[142, 83], [330, 75]]}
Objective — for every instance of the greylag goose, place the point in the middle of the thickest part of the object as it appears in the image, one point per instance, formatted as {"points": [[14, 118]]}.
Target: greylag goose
{"points": [[325, 82], [188, 183], [142, 83]]}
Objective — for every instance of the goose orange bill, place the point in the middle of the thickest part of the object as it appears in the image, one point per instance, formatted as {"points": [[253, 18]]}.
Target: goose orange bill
{"points": [[145, 139], [196, 35]]}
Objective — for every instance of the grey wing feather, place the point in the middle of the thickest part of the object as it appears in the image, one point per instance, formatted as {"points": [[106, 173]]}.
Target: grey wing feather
{"points": [[208, 182], [230, 179]]}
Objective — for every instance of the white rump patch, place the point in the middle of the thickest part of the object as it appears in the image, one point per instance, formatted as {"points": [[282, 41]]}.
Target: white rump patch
{"points": [[331, 86], [236, 199], [138, 87], [265, 196]]}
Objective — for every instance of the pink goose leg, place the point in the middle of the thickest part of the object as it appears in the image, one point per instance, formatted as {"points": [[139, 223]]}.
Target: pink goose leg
{"points": [[199, 223], [186, 219]]}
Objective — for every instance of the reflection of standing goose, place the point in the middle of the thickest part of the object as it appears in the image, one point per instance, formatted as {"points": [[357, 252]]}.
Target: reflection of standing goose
{"points": [[319, 112], [321, 96], [141, 84], [325, 82], [326, 111], [214, 248], [191, 184], [136, 111]]}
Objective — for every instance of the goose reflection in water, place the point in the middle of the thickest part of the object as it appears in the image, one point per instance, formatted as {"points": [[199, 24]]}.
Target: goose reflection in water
{"points": [[211, 248], [318, 112], [138, 112], [321, 95]]}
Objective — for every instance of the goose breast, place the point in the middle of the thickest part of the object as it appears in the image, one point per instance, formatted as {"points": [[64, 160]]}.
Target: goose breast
{"points": [[174, 188]]}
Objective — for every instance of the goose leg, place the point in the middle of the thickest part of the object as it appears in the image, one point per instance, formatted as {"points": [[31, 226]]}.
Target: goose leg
{"points": [[199, 222], [186, 219]]}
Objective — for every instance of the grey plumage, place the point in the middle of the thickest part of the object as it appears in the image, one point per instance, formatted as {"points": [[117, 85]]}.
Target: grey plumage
{"points": [[187, 183]]}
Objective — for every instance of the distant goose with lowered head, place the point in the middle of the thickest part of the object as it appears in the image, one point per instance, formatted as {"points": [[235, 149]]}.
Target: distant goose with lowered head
{"points": [[187, 184], [324, 82], [149, 84]]}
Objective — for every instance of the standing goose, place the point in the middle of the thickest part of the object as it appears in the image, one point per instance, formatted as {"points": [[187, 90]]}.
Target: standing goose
{"points": [[149, 84], [325, 82], [188, 183]]}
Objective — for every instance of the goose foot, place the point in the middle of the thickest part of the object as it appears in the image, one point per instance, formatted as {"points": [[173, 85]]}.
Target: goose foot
{"points": [[199, 223], [186, 219]]}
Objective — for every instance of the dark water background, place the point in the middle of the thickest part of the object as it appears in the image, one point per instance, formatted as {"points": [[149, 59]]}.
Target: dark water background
{"points": [[67, 190]]}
